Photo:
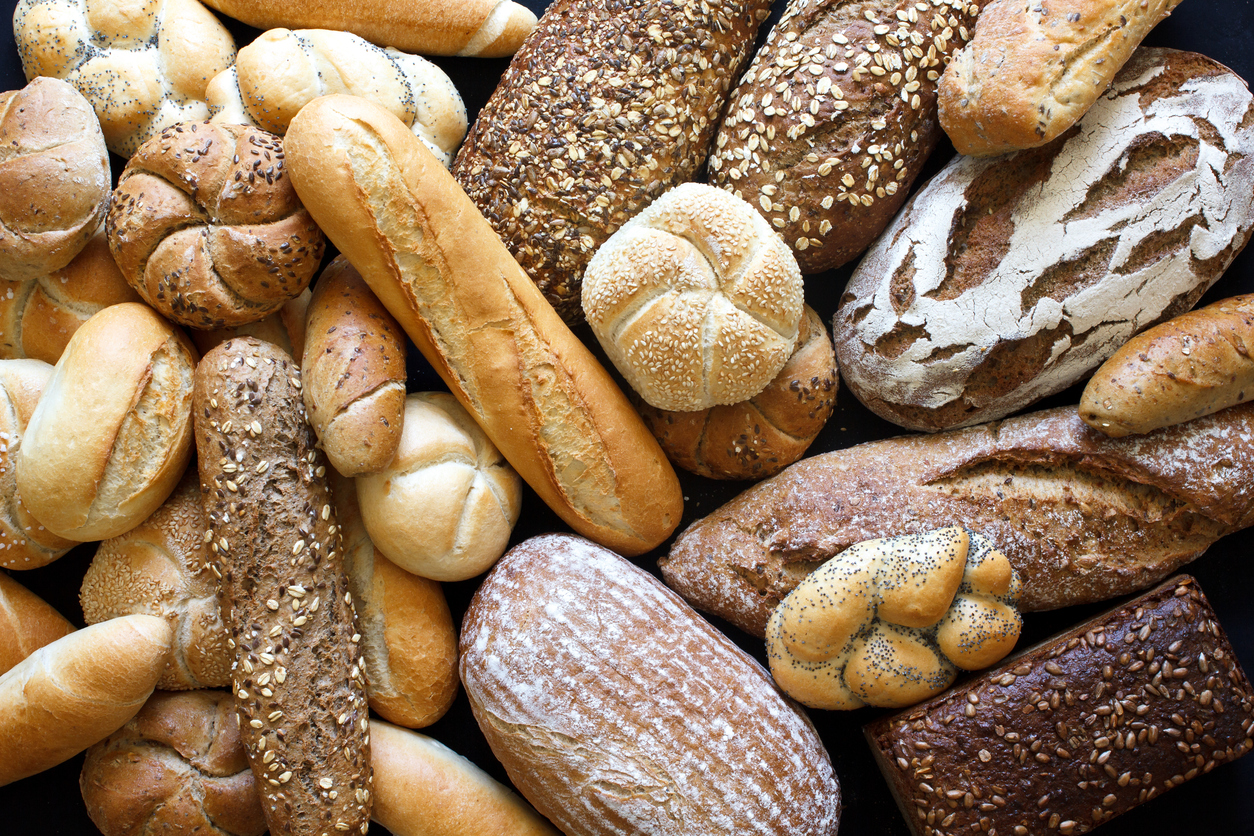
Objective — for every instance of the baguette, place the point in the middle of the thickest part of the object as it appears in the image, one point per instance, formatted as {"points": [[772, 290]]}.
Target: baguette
{"points": [[298, 677], [1193, 365], [1081, 517], [438, 267], [27, 623]]}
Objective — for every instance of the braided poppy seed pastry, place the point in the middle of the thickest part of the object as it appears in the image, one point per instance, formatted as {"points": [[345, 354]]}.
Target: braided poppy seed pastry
{"points": [[299, 675]]}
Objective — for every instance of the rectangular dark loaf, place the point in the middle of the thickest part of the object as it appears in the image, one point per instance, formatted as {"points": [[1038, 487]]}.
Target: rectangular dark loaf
{"points": [[1069, 734]]}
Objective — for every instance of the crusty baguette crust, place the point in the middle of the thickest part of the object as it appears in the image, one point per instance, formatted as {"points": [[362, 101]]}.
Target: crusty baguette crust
{"points": [[1081, 517], [436, 264], [1193, 365], [299, 679]]}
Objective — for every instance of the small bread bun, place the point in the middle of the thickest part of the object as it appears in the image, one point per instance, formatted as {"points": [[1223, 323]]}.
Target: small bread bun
{"points": [[285, 328], [177, 767], [205, 224], [759, 437], [696, 300], [160, 568], [27, 623], [54, 178], [112, 433], [444, 508]]}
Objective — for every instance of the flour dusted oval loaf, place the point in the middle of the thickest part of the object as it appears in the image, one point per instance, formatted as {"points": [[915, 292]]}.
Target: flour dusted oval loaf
{"points": [[607, 734], [1009, 278]]}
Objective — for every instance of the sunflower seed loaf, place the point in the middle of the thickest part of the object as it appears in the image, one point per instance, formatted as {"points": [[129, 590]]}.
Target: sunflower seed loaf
{"points": [[605, 107], [836, 117], [298, 676]]}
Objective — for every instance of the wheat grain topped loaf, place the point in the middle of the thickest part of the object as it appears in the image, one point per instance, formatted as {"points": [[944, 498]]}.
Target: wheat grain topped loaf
{"points": [[1008, 278]]}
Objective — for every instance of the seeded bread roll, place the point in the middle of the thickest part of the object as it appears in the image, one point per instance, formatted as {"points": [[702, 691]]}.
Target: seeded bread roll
{"points": [[299, 679], [27, 623], [1075, 731], [284, 328], [836, 117], [594, 120]]}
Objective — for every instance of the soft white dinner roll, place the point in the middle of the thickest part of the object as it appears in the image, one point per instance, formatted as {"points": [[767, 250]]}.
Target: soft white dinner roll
{"points": [[696, 300], [445, 507]]}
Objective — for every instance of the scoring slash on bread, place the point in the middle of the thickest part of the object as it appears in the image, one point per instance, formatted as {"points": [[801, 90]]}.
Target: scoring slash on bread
{"points": [[282, 71], [1193, 365], [1065, 251], [888, 622], [27, 623], [603, 109], [435, 263], [1077, 730], [835, 118], [142, 64], [1080, 516], [1031, 70], [299, 675], [607, 734]]}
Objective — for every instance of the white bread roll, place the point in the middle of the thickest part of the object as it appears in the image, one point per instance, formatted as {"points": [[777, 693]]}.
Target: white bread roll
{"points": [[444, 508], [112, 433], [27, 623], [423, 788], [76, 691], [696, 300]]}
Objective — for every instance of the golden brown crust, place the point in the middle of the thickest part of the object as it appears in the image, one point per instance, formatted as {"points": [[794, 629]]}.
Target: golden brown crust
{"points": [[27, 623]]}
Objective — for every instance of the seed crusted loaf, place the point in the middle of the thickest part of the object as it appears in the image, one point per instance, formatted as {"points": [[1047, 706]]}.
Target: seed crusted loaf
{"points": [[605, 107], [298, 676], [1007, 279], [1078, 729], [835, 118], [1080, 516]]}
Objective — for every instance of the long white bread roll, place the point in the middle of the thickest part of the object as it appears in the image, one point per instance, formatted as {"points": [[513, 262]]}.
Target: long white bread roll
{"points": [[27, 623], [77, 691], [435, 263], [423, 788], [482, 28]]}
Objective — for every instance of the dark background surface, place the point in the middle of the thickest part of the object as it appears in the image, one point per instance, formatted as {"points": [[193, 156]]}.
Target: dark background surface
{"points": [[1221, 802]]}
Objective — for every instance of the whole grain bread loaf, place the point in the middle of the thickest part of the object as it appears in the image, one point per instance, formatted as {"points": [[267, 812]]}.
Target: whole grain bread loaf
{"points": [[1080, 516]]}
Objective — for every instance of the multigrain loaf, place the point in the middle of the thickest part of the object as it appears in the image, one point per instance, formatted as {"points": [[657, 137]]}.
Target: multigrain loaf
{"points": [[1009, 278], [605, 107], [1080, 516], [835, 118], [608, 734]]}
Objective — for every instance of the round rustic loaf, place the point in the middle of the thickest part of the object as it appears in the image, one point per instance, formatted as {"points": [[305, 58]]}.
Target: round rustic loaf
{"points": [[54, 179], [759, 437], [159, 568], [205, 224], [696, 300], [444, 508], [177, 767], [142, 64]]}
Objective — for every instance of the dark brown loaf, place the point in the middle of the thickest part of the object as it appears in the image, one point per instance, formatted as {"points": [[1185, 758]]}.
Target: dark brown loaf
{"points": [[605, 107], [1077, 730], [1080, 516], [299, 678], [607, 733], [835, 118]]}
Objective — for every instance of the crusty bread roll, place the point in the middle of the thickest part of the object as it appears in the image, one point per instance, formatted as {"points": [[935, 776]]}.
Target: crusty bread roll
{"points": [[436, 264], [888, 622], [24, 542], [1031, 70], [407, 635], [54, 179], [285, 328], [76, 691], [759, 437], [445, 506], [205, 224], [177, 767], [27, 623], [282, 71], [159, 568], [695, 300], [354, 375], [423, 788], [112, 433], [1187, 367], [142, 64], [38, 316]]}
